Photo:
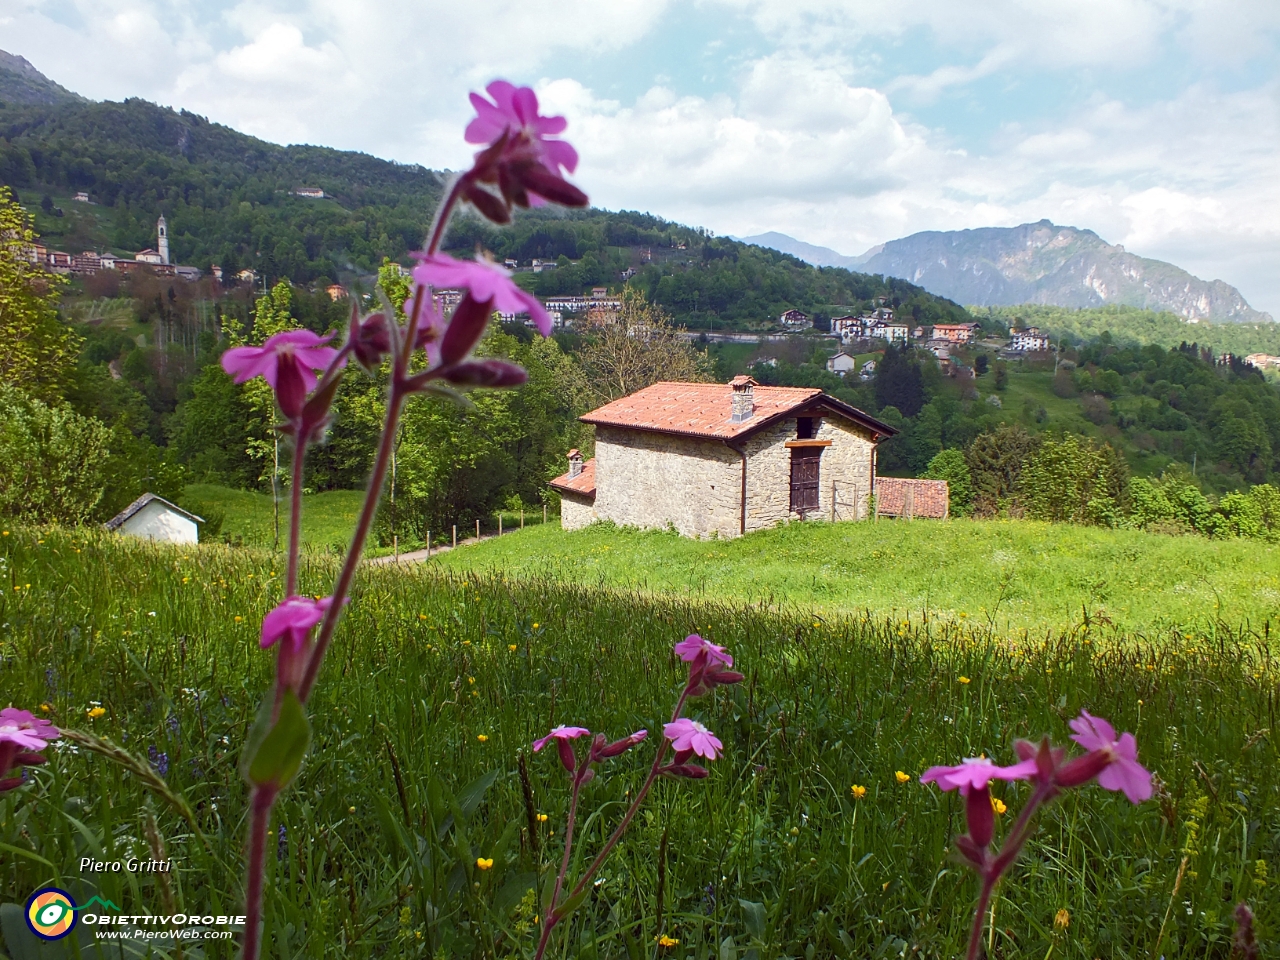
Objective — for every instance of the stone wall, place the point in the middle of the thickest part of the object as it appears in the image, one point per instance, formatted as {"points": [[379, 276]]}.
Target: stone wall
{"points": [[845, 470], [576, 511], [653, 480]]}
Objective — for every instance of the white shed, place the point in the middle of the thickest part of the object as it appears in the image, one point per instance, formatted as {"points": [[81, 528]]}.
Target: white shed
{"points": [[155, 518]]}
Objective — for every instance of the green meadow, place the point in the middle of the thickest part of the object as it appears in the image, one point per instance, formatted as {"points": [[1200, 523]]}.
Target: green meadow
{"points": [[1008, 576], [440, 678]]}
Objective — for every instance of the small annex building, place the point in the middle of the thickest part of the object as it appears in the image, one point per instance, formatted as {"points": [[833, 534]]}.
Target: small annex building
{"points": [[155, 518], [722, 459]]}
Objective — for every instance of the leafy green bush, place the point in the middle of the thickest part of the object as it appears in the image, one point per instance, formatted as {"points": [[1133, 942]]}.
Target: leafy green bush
{"points": [[950, 465], [53, 462], [1071, 480]]}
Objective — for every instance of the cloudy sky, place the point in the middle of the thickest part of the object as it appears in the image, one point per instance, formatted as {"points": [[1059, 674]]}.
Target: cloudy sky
{"points": [[1155, 123]]}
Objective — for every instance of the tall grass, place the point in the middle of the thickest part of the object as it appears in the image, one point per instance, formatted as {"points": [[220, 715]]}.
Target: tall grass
{"points": [[771, 854]]}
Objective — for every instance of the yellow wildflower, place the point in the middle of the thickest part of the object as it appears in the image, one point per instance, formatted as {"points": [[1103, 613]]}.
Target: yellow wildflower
{"points": [[858, 791], [422, 616], [1061, 919], [484, 863], [535, 626], [471, 680], [513, 647], [665, 941], [45, 708], [901, 777], [95, 712], [542, 818], [998, 806], [239, 619], [965, 680], [483, 738], [351, 809]]}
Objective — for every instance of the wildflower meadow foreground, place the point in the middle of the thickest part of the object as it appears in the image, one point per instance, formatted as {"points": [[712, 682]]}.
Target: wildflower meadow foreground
{"points": [[354, 764]]}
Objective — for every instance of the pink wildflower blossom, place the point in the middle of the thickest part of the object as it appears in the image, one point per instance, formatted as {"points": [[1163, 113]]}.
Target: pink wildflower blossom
{"points": [[287, 361], [561, 733], [1122, 772], [292, 620], [976, 773], [487, 281], [25, 730], [514, 111], [686, 734], [693, 646]]}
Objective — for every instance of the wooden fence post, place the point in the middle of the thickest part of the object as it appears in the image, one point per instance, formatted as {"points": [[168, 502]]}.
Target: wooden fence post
{"points": [[455, 534], [522, 516], [428, 544], [499, 524], [477, 528]]}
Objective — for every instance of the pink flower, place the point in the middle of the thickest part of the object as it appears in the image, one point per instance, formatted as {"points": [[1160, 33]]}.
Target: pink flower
{"points": [[693, 646], [686, 734], [292, 620], [514, 111], [287, 361], [976, 773], [561, 733], [1122, 772], [431, 327], [25, 730], [487, 281]]}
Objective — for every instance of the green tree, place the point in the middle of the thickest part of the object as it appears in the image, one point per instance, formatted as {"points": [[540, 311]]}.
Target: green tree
{"points": [[951, 466], [37, 351], [995, 461], [1074, 481]]}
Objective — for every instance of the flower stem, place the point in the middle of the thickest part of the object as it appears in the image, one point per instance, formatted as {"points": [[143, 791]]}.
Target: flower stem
{"points": [[1009, 852], [295, 514], [552, 919], [259, 824], [386, 445]]}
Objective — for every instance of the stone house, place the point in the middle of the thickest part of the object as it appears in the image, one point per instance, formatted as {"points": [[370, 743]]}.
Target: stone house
{"points": [[842, 363], [723, 459]]}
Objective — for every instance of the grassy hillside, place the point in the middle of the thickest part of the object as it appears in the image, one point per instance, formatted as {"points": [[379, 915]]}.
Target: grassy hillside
{"points": [[247, 517], [1133, 325], [1015, 575], [435, 682]]}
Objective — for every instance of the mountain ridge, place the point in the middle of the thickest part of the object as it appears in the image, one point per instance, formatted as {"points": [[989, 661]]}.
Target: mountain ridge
{"points": [[1037, 263], [21, 82]]}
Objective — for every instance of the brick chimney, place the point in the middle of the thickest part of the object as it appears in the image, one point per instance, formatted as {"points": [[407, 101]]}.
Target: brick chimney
{"points": [[575, 463], [744, 404]]}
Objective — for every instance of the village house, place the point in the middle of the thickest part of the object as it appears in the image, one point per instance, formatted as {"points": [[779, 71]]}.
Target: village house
{"points": [[336, 292], [954, 332], [842, 363], [712, 459], [894, 331], [1027, 340], [795, 320]]}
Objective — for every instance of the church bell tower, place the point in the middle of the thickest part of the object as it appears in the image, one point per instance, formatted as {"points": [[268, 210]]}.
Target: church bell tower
{"points": [[162, 231]]}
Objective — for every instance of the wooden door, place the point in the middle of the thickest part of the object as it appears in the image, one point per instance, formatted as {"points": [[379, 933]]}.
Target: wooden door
{"points": [[804, 479]]}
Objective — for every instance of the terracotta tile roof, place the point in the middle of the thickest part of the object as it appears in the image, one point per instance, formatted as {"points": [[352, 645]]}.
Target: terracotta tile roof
{"points": [[697, 409], [583, 484], [929, 497]]}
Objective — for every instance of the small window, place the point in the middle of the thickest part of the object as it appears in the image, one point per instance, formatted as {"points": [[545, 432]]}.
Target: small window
{"points": [[806, 428]]}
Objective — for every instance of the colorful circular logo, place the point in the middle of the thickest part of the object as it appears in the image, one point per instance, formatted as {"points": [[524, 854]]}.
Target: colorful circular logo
{"points": [[51, 913]]}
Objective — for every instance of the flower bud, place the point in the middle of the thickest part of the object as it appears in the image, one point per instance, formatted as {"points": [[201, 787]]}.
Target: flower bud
{"points": [[682, 756], [370, 339], [982, 819], [689, 770], [465, 329], [485, 373], [717, 676], [291, 390], [491, 207], [567, 757], [1083, 769], [970, 850], [618, 746], [10, 783]]}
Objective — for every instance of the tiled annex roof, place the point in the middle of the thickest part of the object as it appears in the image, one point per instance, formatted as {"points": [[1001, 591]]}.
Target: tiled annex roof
{"points": [[584, 483], [929, 498], [703, 410]]}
